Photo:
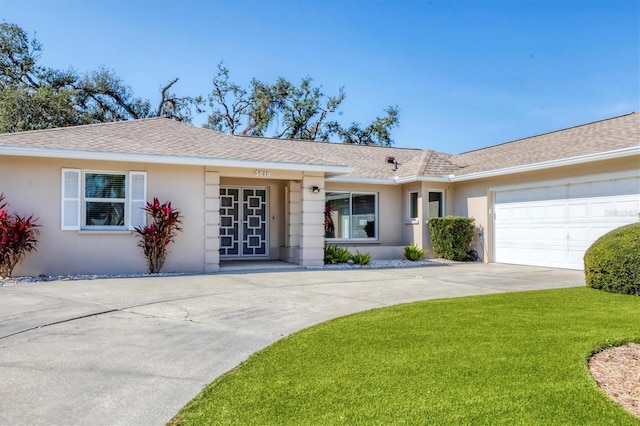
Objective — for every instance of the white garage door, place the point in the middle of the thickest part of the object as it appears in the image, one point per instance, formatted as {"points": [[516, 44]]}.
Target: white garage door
{"points": [[554, 225]]}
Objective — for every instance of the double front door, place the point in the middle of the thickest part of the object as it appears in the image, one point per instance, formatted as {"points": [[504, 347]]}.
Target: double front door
{"points": [[244, 221]]}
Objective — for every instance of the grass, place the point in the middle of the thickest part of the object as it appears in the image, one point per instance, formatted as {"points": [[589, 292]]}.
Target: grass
{"points": [[517, 358]]}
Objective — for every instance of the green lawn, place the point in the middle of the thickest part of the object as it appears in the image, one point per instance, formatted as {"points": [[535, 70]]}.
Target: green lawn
{"points": [[515, 358]]}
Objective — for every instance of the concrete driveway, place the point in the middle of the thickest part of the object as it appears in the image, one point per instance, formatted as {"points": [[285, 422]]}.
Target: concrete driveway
{"points": [[134, 351]]}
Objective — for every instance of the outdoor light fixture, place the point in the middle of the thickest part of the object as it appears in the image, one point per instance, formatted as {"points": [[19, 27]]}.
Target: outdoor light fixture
{"points": [[315, 189]]}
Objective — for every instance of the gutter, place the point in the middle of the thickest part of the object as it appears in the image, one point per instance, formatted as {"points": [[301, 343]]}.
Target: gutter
{"points": [[395, 180], [161, 159]]}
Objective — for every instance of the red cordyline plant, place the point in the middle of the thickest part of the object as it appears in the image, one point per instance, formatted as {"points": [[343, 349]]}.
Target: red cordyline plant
{"points": [[17, 238], [159, 233]]}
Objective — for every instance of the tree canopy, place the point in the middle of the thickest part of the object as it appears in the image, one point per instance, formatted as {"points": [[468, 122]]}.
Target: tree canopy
{"points": [[33, 96], [286, 110]]}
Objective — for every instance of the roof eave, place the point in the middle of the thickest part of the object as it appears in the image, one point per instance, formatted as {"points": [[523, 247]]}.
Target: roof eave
{"points": [[395, 180], [410, 179], [174, 160], [571, 161], [364, 180]]}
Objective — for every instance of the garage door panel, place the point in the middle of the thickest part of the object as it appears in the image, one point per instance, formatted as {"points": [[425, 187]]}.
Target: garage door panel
{"points": [[624, 208], [556, 211], [578, 210], [554, 234], [578, 233], [554, 225], [537, 212], [518, 213]]}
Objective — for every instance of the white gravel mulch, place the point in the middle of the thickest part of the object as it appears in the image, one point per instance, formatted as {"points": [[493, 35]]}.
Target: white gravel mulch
{"points": [[375, 264], [393, 263]]}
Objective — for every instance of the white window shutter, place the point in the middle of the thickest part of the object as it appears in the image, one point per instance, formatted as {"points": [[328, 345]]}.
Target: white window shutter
{"points": [[71, 197], [137, 199]]}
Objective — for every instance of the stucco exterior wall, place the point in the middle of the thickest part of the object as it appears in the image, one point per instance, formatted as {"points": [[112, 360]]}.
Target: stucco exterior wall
{"points": [[33, 186]]}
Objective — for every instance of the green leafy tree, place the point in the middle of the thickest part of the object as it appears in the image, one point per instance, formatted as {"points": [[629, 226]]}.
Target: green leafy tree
{"points": [[36, 97], [286, 110]]}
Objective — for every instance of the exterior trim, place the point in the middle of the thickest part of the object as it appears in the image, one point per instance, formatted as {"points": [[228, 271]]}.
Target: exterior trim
{"points": [[569, 181], [608, 155], [370, 181], [389, 181], [411, 179], [162, 159]]}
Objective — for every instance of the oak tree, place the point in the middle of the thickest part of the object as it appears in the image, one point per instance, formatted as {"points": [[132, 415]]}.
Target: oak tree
{"points": [[286, 110], [33, 96]]}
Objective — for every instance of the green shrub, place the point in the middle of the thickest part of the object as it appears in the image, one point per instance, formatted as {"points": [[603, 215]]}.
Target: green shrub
{"points": [[361, 258], [612, 263], [414, 253], [451, 236], [335, 254]]}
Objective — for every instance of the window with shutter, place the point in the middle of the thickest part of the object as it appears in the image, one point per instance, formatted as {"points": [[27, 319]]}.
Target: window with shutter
{"points": [[103, 200]]}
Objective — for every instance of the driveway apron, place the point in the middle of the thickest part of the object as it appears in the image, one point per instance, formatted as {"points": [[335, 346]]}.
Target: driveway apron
{"points": [[133, 351]]}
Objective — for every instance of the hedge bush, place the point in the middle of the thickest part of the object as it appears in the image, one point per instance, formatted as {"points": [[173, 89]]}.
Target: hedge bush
{"points": [[451, 236], [612, 263]]}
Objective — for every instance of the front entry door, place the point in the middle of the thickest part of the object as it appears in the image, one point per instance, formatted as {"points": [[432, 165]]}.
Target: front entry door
{"points": [[244, 222]]}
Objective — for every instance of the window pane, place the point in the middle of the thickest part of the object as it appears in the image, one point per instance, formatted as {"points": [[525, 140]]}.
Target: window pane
{"points": [[99, 185], [337, 215], [363, 221], [435, 204], [413, 205], [105, 214]]}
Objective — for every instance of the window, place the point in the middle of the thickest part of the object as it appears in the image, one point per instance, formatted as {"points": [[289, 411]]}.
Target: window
{"points": [[350, 215], [413, 205], [436, 204], [102, 200]]}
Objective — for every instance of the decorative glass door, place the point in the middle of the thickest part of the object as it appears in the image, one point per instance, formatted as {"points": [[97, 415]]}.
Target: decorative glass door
{"points": [[244, 220]]}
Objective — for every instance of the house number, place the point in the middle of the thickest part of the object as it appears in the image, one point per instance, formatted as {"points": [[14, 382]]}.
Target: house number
{"points": [[262, 173]]}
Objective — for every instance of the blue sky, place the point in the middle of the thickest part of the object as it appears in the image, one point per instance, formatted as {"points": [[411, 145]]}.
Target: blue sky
{"points": [[465, 74]]}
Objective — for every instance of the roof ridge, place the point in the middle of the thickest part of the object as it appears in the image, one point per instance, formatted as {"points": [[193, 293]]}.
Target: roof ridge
{"points": [[426, 163], [548, 133]]}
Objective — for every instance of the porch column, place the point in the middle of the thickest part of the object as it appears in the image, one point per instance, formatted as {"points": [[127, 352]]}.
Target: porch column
{"points": [[294, 220], [312, 221], [211, 221]]}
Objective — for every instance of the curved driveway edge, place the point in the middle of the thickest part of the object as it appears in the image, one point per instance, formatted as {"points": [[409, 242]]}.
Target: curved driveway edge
{"points": [[134, 351]]}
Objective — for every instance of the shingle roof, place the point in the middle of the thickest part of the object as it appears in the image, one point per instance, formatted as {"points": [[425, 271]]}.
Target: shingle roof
{"points": [[369, 161], [592, 138], [167, 138], [155, 136]]}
